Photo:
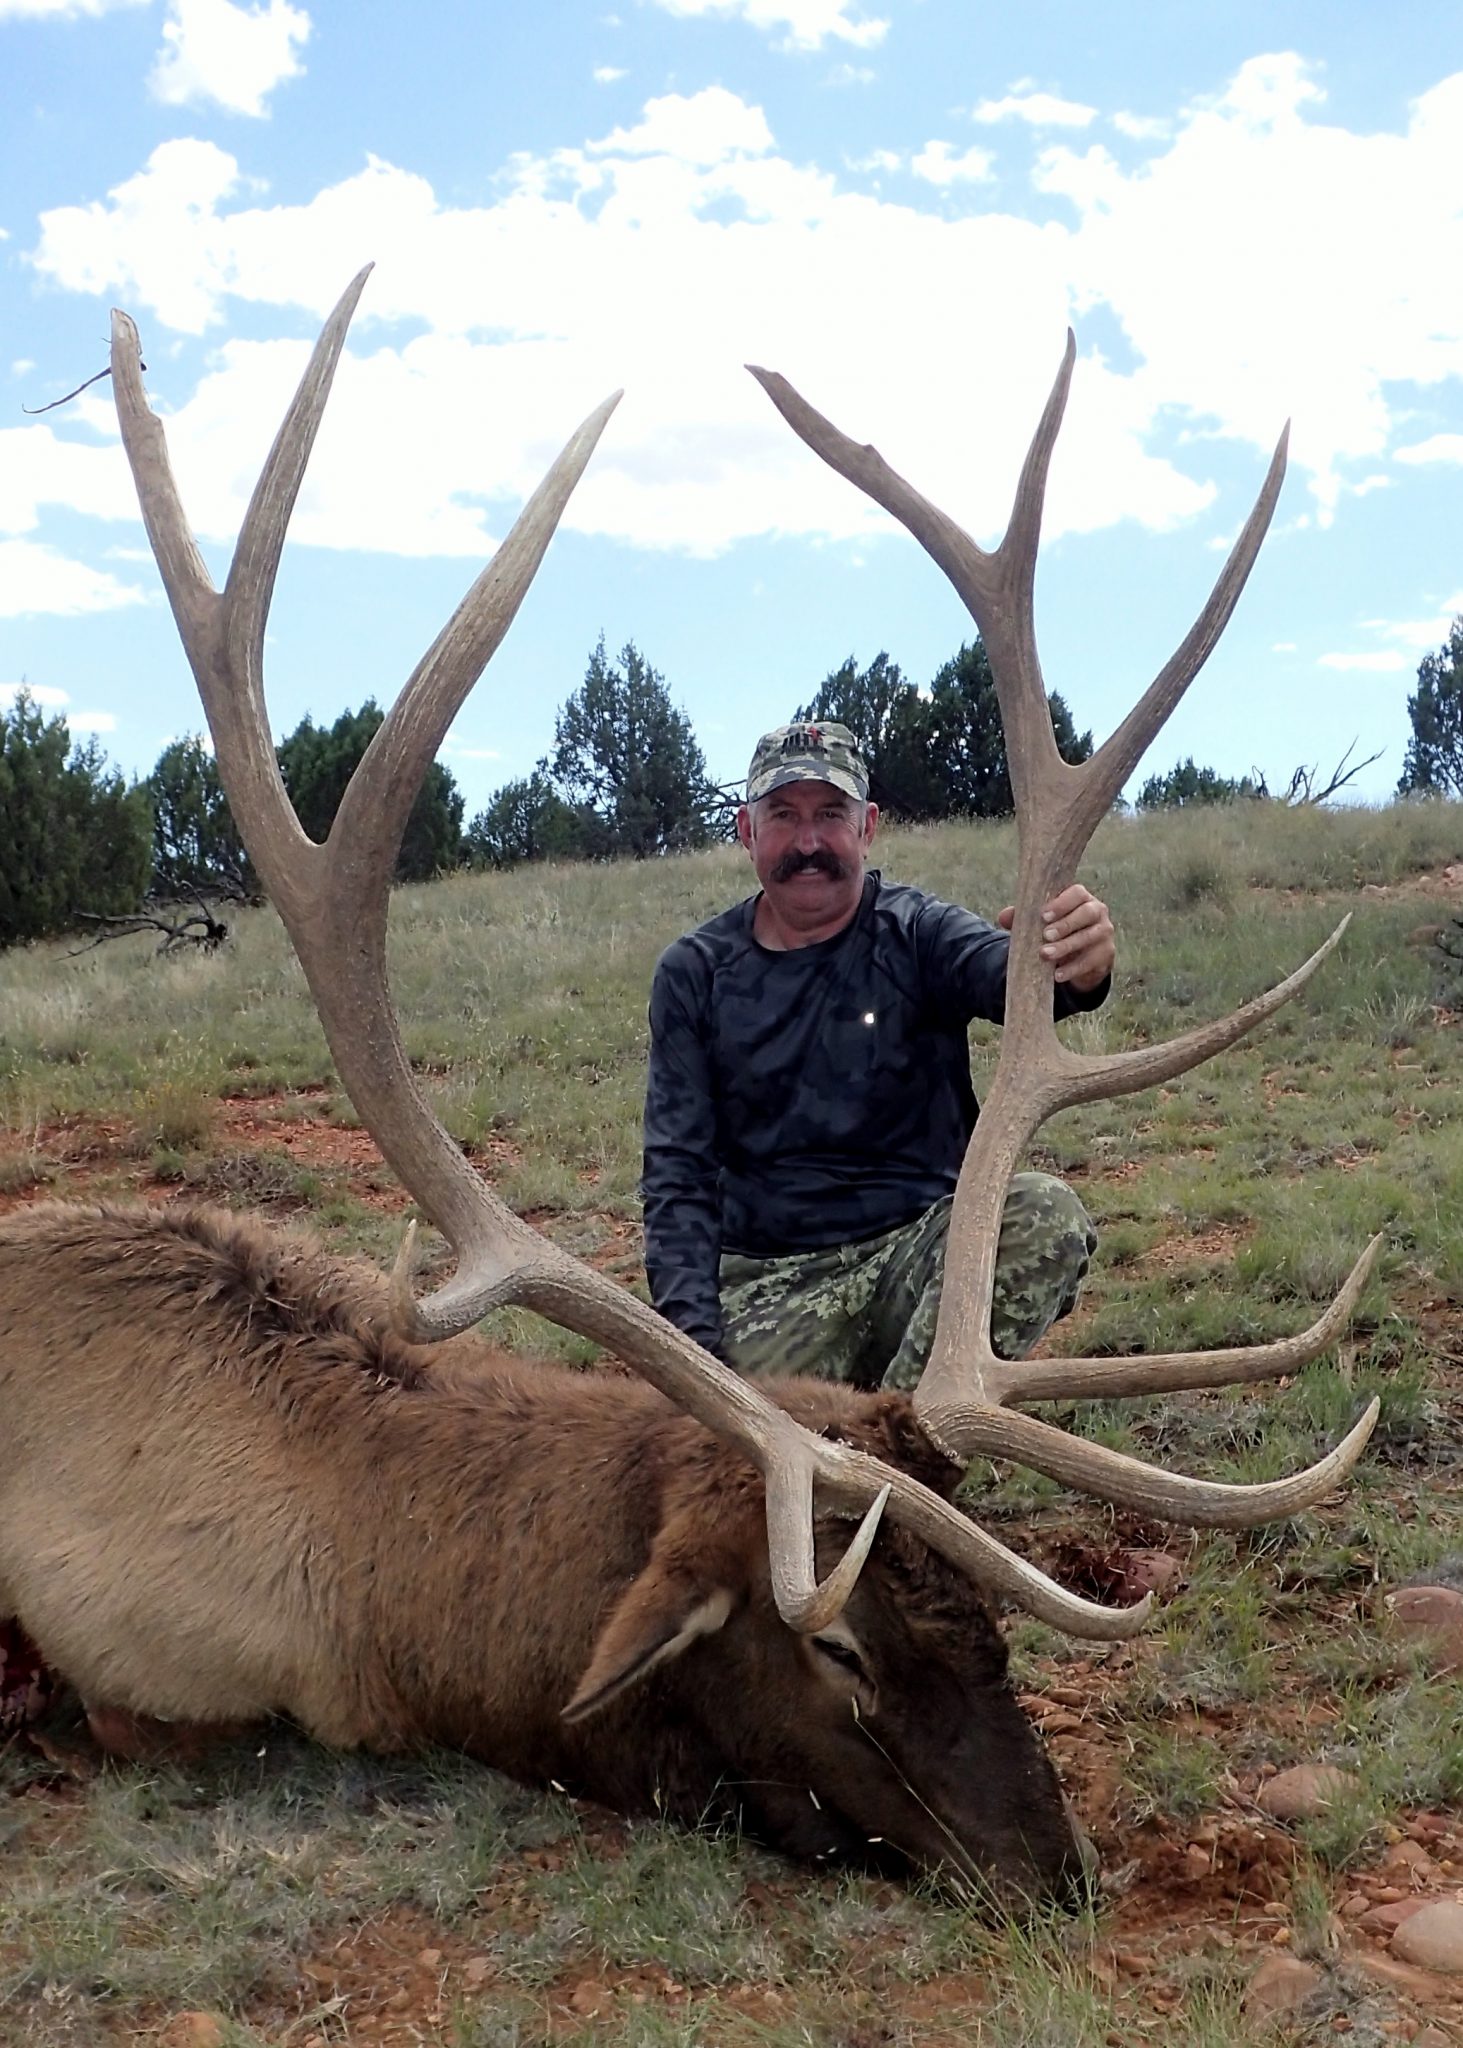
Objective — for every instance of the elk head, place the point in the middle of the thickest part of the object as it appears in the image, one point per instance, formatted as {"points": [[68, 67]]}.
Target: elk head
{"points": [[333, 899]]}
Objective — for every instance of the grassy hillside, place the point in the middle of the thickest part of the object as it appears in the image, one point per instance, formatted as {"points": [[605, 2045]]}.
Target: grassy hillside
{"points": [[296, 1896]]}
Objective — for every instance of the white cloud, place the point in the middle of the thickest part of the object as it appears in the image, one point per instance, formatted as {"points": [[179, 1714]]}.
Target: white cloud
{"points": [[43, 694], [851, 74], [938, 164], [1284, 647], [1437, 448], [461, 751], [608, 74], [22, 366], [808, 23], [1143, 127], [876, 160], [1264, 261], [1269, 263], [1378, 662], [232, 56], [1420, 635], [704, 128], [39, 467], [1039, 109], [36, 579]]}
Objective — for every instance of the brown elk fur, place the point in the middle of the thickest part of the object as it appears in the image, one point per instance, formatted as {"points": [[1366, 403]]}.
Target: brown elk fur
{"points": [[227, 1490]]}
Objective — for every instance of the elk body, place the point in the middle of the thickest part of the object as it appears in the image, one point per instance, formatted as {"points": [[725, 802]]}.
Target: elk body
{"points": [[238, 1477], [227, 1490]]}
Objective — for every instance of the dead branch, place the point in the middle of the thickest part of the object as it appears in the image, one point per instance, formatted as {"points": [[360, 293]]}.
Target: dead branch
{"points": [[1301, 789]]}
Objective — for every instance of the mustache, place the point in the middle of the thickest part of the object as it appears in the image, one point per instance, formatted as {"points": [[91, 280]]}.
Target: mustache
{"points": [[821, 862]]}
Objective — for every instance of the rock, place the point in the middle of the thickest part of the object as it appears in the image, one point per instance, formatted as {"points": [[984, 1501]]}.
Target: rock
{"points": [[1432, 1937], [1434, 1614], [1421, 1985], [430, 1958], [1305, 1791], [1387, 1919], [1150, 1571], [1197, 1863], [1281, 1984], [1409, 1862]]}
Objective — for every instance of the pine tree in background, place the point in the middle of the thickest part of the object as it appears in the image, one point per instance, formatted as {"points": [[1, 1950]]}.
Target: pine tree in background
{"points": [[525, 820], [1186, 785], [317, 761], [627, 763], [195, 844], [74, 835], [1433, 765], [939, 753]]}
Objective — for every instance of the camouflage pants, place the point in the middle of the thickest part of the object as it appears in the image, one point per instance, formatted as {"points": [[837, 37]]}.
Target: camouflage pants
{"points": [[865, 1313]]}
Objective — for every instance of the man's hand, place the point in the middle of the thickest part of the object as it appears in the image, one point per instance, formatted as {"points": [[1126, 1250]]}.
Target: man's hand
{"points": [[1077, 935]]}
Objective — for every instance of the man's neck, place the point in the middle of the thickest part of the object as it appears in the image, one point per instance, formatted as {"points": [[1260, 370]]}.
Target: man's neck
{"points": [[778, 936]]}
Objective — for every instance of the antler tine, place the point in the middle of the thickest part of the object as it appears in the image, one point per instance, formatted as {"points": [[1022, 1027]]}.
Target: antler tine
{"points": [[416, 725], [1058, 806], [1120, 754]]}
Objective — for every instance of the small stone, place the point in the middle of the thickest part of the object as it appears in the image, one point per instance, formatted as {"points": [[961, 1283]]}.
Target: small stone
{"points": [[1197, 1863], [1281, 1984], [430, 1958], [1305, 1791], [1151, 1571], [475, 1970], [1408, 1858], [1433, 2037], [1413, 1983], [1388, 1918], [1434, 1614], [1432, 1937]]}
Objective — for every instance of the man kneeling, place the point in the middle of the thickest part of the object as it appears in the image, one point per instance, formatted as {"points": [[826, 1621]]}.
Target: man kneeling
{"points": [[809, 1099]]}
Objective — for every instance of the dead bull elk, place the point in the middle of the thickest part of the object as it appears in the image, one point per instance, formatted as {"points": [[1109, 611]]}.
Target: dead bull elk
{"points": [[241, 1477]]}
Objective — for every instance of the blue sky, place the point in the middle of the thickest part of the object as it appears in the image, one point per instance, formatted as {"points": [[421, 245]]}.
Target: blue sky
{"points": [[1245, 212]]}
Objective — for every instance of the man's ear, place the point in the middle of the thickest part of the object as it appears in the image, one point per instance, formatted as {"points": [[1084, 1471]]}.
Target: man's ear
{"points": [[666, 1610], [744, 825]]}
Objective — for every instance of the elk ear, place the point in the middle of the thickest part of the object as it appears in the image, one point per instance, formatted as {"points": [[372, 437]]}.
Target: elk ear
{"points": [[666, 1610]]}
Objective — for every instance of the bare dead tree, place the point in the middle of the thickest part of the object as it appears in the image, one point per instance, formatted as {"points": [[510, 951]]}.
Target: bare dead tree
{"points": [[199, 927], [1301, 789]]}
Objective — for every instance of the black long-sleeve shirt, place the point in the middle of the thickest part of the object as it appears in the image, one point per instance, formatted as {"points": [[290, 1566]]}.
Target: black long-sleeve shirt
{"points": [[811, 1097]]}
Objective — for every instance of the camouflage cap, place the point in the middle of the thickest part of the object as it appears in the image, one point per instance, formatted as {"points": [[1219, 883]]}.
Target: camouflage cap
{"points": [[807, 752]]}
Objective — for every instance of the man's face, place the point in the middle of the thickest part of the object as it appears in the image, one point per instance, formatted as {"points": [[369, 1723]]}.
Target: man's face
{"points": [[808, 841]]}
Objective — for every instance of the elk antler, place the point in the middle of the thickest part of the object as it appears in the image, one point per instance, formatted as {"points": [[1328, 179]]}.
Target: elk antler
{"points": [[333, 899], [961, 1398]]}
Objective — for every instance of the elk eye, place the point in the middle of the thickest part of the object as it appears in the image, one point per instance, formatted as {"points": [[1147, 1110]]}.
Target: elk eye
{"points": [[841, 1653]]}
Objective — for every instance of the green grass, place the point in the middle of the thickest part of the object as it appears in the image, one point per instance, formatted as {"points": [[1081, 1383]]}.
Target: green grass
{"points": [[1230, 1203]]}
